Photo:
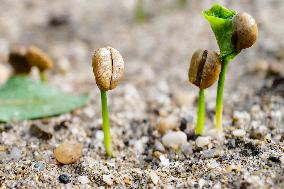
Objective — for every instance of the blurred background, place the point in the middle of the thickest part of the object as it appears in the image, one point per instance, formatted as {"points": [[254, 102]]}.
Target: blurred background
{"points": [[156, 49]]}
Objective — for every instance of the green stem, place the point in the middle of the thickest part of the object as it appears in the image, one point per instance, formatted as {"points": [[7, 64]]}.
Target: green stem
{"points": [[200, 113], [139, 12], [182, 3], [106, 127], [42, 76], [219, 98]]}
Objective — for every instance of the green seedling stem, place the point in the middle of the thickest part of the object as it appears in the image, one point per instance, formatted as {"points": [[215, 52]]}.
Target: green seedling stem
{"points": [[139, 12], [201, 112], [42, 76], [182, 3], [220, 91], [106, 126]]}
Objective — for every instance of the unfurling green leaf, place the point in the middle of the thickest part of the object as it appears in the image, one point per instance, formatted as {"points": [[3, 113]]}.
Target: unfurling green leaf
{"points": [[220, 19]]}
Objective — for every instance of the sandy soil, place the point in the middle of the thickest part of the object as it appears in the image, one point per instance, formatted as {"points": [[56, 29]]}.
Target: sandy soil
{"points": [[155, 87]]}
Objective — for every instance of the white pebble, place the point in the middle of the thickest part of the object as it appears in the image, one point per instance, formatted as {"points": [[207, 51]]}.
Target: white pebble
{"points": [[214, 133], [167, 124], [100, 135], [154, 177], [15, 153], [187, 148], [174, 139], [164, 161], [83, 179], [139, 145], [217, 186], [202, 141], [212, 164], [239, 133], [90, 113], [159, 146], [107, 179], [201, 182]]}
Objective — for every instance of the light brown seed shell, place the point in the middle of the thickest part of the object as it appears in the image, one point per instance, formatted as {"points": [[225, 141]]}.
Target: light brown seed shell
{"points": [[108, 68], [245, 31], [39, 59], [204, 69]]}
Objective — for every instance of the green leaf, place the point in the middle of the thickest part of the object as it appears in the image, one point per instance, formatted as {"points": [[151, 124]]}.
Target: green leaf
{"points": [[220, 19], [22, 98]]}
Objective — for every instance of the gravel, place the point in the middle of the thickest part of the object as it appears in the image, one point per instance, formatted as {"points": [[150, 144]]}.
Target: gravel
{"points": [[64, 178], [155, 88]]}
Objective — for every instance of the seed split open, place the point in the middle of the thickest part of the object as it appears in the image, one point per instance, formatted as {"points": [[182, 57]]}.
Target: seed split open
{"points": [[204, 69], [108, 68]]}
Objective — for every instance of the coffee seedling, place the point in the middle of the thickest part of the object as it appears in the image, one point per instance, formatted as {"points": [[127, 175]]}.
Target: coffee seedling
{"points": [[204, 70], [39, 59], [233, 33], [108, 68]]}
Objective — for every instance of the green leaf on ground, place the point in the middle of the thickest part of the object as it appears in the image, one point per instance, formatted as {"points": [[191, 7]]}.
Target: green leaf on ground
{"points": [[220, 19], [22, 98]]}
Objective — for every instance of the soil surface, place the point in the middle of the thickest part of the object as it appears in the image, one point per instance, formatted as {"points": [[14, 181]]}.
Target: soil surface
{"points": [[155, 91]]}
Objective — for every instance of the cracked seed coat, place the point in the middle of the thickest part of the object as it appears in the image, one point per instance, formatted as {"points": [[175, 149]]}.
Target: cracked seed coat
{"points": [[108, 68], [210, 70]]}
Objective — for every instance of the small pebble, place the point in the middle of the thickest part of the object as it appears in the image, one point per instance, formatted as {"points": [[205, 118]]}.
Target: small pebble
{"points": [[39, 166], [68, 152], [184, 98], [15, 153], [100, 135], [213, 164], [83, 179], [255, 180], [214, 133], [231, 144], [201, 182], [2, 148], [187, 149], [90, 113], [107, 179], [202, 141], [174, 139], [239, 133], [166, 124], [164, 161], [210, 153], [64, 179], [139, 145], [154, 177], [217, 186], [159, 146]]}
